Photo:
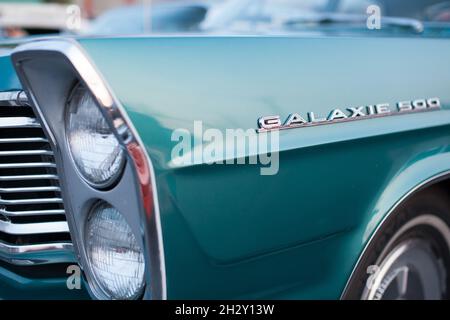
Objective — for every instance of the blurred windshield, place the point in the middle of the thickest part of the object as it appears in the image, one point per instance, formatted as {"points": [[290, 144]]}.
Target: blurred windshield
{"points": [[262, 16], [235, 14], [136, 17], [266, 14]]}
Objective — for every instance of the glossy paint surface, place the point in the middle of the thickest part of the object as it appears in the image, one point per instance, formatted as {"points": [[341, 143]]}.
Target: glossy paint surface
{"points": [[230, 232], [35, 286]]}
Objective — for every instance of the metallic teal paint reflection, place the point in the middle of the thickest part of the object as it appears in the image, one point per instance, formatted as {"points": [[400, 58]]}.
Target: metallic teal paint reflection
{"points": [[231, 233], [16, 287], [8, 79]]}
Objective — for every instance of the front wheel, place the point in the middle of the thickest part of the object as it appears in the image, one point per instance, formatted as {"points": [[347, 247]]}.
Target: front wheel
{"points": [[409, 256]]}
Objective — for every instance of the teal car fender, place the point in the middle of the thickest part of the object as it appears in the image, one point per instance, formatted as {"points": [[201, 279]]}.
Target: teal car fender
{"points": [[230, 232]]}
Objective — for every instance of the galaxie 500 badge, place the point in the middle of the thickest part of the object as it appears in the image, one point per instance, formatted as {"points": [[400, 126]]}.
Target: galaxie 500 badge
{"points": [[296, 120]]}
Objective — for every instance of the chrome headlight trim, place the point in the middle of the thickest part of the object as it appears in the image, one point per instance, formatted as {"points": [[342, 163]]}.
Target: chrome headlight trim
{"points": [[144, 173]]}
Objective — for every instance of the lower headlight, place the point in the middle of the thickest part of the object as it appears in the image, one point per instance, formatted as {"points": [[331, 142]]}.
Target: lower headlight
{"points": [[116, 259]]}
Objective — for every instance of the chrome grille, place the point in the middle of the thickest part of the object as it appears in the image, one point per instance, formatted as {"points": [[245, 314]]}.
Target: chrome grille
{"points": [[33, 228]]}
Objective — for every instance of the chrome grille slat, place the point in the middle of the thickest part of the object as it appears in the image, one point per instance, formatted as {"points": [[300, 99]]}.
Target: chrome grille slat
{"points": [[26, 153], [13, 99], [20, 140], [35, 247], [54, 252], [33, 229], [31, 201], [31, 212], [18, 122], [29, 177], [27, 165], [30, 189]]}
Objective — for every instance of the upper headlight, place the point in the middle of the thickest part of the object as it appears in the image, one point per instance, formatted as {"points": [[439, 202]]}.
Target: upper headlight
{"points": [[95, 150]]}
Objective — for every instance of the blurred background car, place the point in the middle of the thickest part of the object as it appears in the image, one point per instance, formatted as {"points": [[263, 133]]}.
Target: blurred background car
{"points": [[136, 17], [326, 16], [173, 16]]}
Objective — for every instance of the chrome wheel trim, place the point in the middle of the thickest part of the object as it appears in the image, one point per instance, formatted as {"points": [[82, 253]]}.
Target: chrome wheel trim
{"points": [[410, 271], [411, 263], [437, 177]]}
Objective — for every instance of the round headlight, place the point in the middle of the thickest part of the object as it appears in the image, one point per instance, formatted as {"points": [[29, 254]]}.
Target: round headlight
{"points": [[94, 148], [116, 259]]}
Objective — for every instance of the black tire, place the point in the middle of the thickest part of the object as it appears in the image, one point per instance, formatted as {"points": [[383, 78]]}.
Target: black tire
{"points": [[429, 202]]}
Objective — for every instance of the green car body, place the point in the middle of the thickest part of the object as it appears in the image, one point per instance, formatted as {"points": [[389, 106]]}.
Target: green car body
{"points": [[229, 232]]}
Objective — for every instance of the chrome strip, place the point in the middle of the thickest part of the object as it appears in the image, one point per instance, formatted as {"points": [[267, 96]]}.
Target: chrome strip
{"points": [[336, 121], [30, 189], [37, 254], [423, 184], [29, 177], [118, 118], [23, 140], [33, 228], [13, 99], [30, 201], [18, 122], [31, 212], [26, 153], [27, 165]]}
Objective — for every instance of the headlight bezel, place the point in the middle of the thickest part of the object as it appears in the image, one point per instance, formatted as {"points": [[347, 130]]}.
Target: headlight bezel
{"points": [[109, 183], [59, 64]]}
